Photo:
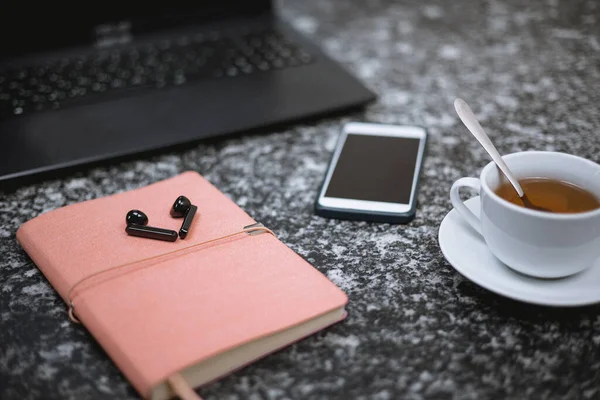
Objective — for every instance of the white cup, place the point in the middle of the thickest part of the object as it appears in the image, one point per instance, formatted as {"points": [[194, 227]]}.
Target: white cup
{"points": [[536, 243]]}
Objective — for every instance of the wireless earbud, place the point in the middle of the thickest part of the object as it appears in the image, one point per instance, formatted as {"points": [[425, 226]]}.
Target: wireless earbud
{"points": [[136, 226], [183, 208], [136, 217]]}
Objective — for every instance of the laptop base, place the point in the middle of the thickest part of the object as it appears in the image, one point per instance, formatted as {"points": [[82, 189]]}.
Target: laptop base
{"points": [[151, 120]]}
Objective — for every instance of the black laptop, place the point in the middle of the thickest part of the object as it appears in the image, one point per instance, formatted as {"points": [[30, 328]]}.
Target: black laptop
{"points": [[82, 82]]}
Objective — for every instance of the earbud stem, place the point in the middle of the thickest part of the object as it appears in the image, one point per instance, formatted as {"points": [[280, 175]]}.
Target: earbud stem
{"points": [[150, 232], [187, 221]]}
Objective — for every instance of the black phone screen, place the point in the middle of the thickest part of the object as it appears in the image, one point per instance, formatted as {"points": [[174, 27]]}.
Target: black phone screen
{"points": [[375, 168]]}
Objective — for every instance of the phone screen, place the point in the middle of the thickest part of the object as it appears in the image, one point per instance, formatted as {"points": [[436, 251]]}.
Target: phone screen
{"points": [[375, 168]]}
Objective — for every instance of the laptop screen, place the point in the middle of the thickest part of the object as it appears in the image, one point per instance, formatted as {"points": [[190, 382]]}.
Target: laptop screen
{"points": [[27, 26]]}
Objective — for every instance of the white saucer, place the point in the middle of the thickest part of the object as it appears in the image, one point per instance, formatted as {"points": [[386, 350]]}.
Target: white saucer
{"points": [[467, 252]]}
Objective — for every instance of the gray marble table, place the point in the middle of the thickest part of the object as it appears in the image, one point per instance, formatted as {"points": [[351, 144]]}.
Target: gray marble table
{"points": [[416, 328]]}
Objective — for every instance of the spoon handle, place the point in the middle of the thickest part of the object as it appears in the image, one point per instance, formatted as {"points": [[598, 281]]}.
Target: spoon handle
{"points": [[468, 118]]}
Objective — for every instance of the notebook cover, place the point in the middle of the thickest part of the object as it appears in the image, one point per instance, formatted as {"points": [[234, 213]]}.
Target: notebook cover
{"points": [[160, 316]]}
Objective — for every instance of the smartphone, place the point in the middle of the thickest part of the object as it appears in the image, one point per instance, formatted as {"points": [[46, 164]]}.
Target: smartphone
{"points": [[374, 173]]}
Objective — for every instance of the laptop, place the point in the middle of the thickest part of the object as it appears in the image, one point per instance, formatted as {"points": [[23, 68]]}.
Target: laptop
{"points": [[85, 82]]}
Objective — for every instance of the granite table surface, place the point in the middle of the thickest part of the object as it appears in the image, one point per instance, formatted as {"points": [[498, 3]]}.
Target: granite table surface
{"points": [[416, 329]]}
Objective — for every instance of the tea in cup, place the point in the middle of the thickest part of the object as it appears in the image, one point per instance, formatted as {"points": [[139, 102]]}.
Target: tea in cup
{"points": [[547, 244]]}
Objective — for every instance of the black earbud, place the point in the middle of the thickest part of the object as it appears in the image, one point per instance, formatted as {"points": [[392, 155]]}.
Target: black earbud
{"points": [[183, 208], [136, 217], [136, 226]]}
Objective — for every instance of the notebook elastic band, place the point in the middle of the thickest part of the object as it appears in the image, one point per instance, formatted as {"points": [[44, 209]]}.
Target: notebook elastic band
{"points": [[253, 229]]}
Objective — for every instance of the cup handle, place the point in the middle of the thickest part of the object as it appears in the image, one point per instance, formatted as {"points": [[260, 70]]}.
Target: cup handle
{"points": [[458, 204]]}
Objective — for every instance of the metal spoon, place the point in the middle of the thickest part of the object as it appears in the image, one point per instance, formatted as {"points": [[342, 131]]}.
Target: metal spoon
{"points": [[468, 118]]}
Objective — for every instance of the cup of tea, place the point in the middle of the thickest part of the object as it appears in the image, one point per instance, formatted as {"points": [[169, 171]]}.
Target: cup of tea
{"points": [[546, 244]]}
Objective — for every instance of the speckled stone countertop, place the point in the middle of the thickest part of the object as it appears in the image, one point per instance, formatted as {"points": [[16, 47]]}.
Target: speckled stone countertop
{"points": [[416, 328]]}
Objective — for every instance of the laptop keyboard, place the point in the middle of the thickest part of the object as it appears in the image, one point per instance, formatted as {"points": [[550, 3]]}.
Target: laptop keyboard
{"points": [[165, 63]]}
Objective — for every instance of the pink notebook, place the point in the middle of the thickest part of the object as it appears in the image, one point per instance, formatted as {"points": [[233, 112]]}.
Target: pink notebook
{"points": [[197, 313]]}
